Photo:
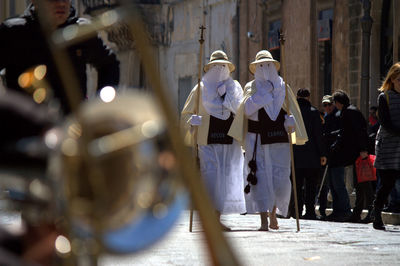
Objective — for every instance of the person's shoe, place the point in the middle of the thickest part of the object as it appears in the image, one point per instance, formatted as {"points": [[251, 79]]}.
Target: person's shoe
{"points": [[331, 217], [392, 209], [341, 218], [377, 222], [309, 216], [368, 218], [354, 218]]}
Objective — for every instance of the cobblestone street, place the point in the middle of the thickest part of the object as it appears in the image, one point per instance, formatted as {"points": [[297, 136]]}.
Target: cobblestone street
{"points": [[317, 243]]}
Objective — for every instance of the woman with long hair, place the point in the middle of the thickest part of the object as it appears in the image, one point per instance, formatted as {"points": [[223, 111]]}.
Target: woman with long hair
{"points": [[387, 147]]}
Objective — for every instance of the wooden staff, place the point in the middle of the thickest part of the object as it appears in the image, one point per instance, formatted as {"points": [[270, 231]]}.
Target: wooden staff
{"points": [[196, 150], [296, 206]]}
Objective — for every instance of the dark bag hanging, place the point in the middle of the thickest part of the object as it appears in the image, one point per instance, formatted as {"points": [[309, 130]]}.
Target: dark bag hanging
{"points": [[251, 177]]}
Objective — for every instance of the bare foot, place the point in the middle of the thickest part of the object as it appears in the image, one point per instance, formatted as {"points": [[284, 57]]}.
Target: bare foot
{"points": [[264, 227], [264, 221], [273, 222]]}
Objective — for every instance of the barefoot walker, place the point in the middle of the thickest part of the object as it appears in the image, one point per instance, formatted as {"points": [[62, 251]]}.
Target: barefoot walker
{"points": [[221, 157], [262, 116]]}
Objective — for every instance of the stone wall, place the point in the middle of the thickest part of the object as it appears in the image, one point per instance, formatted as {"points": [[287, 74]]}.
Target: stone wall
{"points": [[297, 29], [355, 12], [340, 46]]}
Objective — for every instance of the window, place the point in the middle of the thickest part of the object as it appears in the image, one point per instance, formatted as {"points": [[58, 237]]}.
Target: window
{"points": [[273, 39], [184, 88], [324, 31], [12, 8]]}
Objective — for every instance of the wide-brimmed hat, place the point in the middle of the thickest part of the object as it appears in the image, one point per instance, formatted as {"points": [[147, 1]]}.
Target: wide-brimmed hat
{"points": [[261, 57], [219, 57]]}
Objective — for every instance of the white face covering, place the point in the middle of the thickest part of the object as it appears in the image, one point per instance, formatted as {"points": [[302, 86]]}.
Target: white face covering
{"points": [[266, 71], [215, 77], [267, 79], [216, 74]]}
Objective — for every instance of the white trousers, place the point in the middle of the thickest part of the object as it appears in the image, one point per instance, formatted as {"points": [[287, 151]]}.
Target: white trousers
{"points": [[273, 174], [221, 167]]}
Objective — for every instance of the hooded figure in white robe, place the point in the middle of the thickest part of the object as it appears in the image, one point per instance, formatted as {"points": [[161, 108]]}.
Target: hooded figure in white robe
{"points": [[266, 141], [221, 156]]}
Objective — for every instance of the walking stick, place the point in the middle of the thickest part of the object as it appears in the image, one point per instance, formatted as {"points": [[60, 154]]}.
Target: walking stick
{"points": [[323, 180], [296, 206], [196, 150]]}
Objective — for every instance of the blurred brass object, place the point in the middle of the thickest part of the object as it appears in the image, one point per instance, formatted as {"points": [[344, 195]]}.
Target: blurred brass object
{"points": [[117, 168]]}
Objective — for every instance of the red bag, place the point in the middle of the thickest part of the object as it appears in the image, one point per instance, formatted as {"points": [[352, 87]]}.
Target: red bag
{"points": [[365, 169]]}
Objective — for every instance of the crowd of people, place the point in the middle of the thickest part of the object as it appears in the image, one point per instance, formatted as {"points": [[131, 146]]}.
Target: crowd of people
{"points": [[330, 148]]}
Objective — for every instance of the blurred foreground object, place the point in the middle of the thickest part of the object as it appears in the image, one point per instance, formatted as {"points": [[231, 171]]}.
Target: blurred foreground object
{"points": [[116, 176]]}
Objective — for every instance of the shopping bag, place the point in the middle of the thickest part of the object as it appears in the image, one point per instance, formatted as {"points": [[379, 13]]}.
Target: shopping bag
{"points": [[365, 169]]}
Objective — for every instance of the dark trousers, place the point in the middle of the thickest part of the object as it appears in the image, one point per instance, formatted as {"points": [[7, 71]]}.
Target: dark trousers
{"points": [[307, 182], [364, 195], [387, 180], [340, 197], [323, 199]]}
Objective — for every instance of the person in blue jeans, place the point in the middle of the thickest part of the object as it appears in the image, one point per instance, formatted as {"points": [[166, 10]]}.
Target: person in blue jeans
{"points": [[335, 174], [340, 198], [351, 143]]}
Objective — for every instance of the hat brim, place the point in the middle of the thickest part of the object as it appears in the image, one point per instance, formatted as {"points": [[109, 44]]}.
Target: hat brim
{"points": [[327, 101], [252, 66], [230, 65]]}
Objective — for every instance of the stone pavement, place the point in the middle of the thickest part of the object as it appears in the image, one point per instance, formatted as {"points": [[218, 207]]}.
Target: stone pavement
{"points": [[317, 243]]}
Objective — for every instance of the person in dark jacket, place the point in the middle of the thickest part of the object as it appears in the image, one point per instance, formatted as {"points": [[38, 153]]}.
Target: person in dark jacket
{"points": [[351, 143], [23, 45], [330, 125], [341, 209], [308, 158], [387, 147]]}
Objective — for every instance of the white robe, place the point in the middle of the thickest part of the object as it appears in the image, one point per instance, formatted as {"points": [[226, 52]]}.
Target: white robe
{"points": [[273, 160], [221, 165], [273, 176]]}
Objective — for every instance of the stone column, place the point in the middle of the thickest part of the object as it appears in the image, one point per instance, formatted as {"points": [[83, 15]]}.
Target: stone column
{"points": [[296, 26], [366, 25], [340, 46], [243, 42], [396, 30]]}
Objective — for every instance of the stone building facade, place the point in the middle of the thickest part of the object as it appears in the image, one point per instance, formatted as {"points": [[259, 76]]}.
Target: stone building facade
{"points": [[323, 44]]}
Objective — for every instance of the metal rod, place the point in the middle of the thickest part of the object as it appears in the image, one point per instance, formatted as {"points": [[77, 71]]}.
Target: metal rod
{"points": [[323, 181], [196, 148], [296, 206]]}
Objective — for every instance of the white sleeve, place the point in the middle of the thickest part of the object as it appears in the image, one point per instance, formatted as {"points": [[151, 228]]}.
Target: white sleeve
{"points": [[233, 96], [256, 102]]}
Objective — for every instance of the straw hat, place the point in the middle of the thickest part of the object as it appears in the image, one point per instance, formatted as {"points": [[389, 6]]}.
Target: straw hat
{"points": [[219, 57], [261, 57]]}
